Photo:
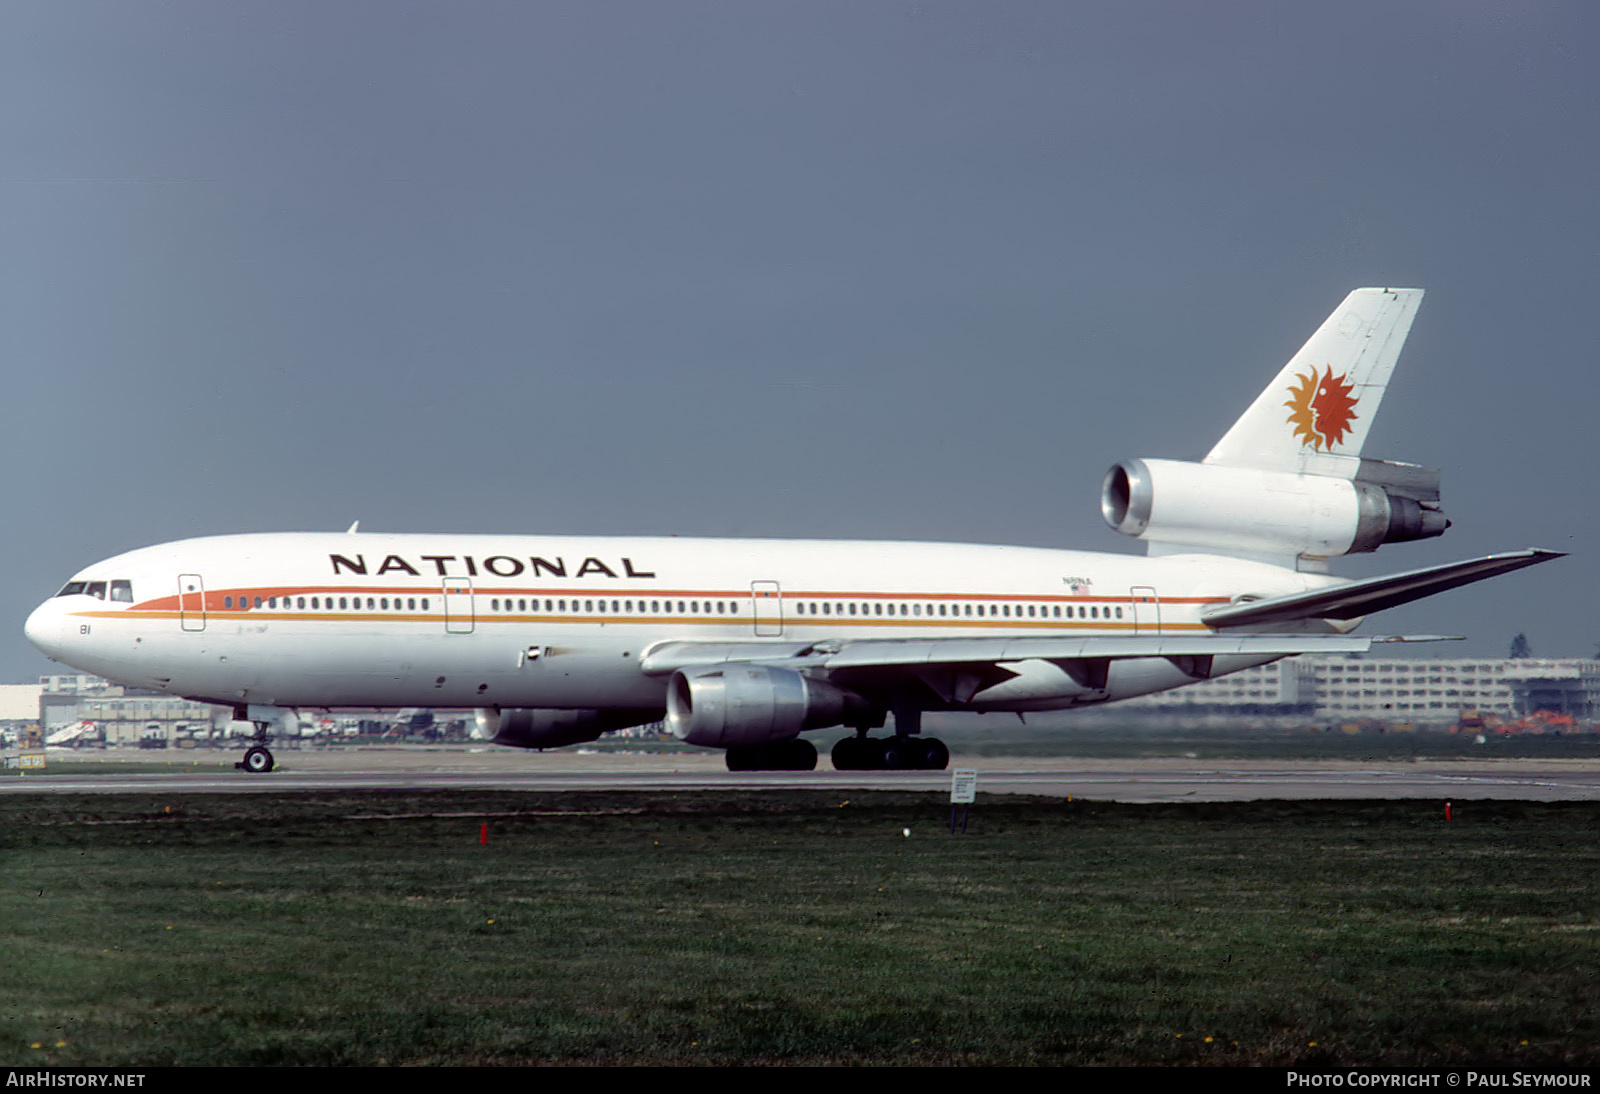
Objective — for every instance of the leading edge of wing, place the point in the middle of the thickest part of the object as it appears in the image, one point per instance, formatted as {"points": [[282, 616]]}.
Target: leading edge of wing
{"points": [[1358, 598]]}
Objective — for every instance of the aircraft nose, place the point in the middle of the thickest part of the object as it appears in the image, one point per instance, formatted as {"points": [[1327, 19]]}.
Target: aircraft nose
{"points": [[44, 629]]}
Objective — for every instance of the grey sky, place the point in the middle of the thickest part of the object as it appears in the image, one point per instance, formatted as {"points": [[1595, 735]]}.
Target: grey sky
{"points": [[866, 270]]}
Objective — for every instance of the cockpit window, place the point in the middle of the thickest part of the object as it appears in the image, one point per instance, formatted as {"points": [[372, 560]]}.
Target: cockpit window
{"points": [[123, 591], [97, 589], [72, 588]]}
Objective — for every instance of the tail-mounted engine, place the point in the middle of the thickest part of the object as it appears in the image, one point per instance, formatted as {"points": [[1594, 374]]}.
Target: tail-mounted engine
{"points": [[1171, 504], [736, 705]]}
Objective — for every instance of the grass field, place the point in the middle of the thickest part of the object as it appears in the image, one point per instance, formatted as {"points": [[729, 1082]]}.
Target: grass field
{"points": [[794, 927]]}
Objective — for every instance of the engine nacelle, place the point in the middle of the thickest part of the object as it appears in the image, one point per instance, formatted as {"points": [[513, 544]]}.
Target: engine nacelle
{"points": [[1250, 511], [736, 705], [523, 727]]}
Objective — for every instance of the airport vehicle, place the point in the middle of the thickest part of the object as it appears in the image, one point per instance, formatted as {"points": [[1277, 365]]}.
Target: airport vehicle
{"points": [[745, 645]]}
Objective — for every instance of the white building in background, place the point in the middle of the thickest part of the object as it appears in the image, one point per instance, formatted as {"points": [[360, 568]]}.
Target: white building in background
{"points": [[1398, 689]]}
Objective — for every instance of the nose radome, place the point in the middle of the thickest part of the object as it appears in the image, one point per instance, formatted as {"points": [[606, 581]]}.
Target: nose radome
{"points": [[43, 629]]}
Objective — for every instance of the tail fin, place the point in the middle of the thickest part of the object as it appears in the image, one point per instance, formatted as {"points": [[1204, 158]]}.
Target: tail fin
{"points": [[1314, 416]]}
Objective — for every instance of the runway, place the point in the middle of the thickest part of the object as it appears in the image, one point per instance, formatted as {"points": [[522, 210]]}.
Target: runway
{"points": [[1163, 780]]}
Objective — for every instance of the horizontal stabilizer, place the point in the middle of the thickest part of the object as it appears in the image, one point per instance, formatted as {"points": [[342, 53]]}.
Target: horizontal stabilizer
{"points": [[1359, 598]]}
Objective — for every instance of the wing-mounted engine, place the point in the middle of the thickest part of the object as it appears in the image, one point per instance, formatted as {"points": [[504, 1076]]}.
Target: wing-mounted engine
{"points": [[1173, 505], [522, 727], [738, 705]]}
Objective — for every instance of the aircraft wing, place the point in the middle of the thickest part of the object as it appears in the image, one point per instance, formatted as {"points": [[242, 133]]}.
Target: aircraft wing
{"points": [[1358, 598], [874, 653]]}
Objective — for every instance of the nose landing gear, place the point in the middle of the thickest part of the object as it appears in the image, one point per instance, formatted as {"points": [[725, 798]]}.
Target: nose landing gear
{"points": [[257, 759]]}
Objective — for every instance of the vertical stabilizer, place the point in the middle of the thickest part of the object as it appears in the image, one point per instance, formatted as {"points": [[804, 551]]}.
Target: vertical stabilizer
{"points": [[1314, 416]]}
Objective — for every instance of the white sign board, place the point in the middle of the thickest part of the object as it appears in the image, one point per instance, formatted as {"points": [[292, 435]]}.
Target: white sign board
{"points": [[963, 787]]}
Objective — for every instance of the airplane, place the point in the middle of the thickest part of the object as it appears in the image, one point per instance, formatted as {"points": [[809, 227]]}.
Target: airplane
{"points": [[746, 644]]}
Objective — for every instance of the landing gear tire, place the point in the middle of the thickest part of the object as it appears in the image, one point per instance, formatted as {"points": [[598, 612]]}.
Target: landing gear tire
{"points": [[257, 761], [795, 755], [801, 755], [890, 754], [854, 754], [899, 754]]}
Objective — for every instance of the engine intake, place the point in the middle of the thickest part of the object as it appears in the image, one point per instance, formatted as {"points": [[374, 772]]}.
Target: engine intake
{"points": [[735, 705]]}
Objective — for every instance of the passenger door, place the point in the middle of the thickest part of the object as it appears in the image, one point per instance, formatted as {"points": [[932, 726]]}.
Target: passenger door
{"points": [[768, 600], [191, 602]]}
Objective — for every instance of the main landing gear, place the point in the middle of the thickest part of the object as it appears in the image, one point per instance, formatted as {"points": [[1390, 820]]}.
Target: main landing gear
{"points": [[890, 754], [795, 755], [905, 751]]}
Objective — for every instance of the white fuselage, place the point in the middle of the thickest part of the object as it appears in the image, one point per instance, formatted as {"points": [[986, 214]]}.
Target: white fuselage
{"points": [[320, 620]]}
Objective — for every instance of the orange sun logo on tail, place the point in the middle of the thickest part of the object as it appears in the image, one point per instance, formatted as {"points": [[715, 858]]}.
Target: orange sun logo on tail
{"points": [[1321, 411]]}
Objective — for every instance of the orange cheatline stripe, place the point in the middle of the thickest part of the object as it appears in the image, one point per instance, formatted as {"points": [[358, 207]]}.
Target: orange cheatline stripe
{"points": [[213, 597], [820, 623]]}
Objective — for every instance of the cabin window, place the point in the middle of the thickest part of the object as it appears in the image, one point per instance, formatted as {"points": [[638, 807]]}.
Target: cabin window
{"points": [[258, 602]]}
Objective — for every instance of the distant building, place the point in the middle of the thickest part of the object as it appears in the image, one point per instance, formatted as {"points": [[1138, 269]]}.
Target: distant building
{"points": [[19, 703], [1400, 689]]}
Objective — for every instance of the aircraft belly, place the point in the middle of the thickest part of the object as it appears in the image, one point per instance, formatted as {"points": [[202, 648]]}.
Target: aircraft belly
{"points": [[454, 670]]}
